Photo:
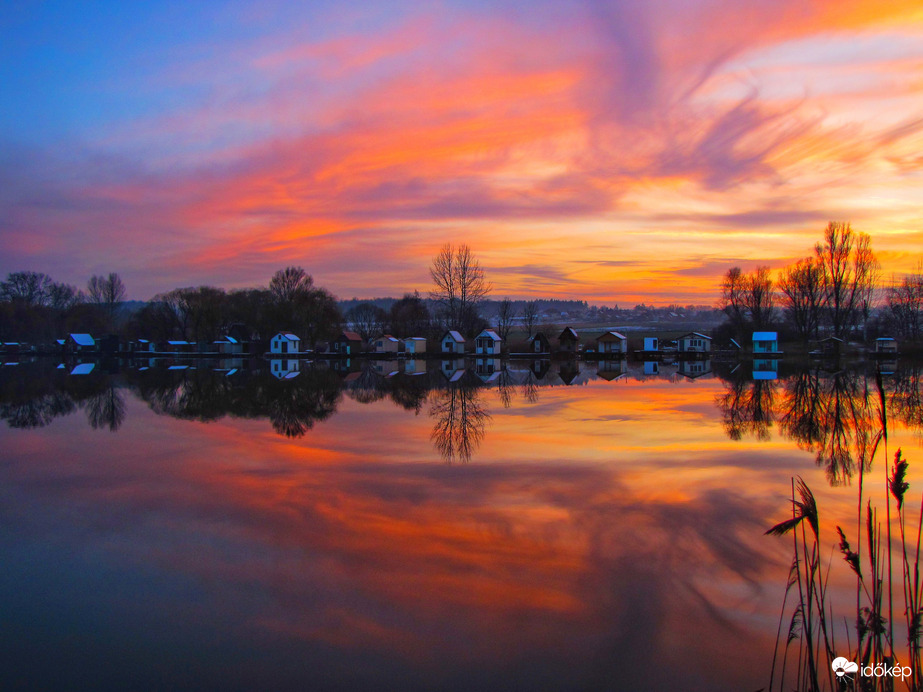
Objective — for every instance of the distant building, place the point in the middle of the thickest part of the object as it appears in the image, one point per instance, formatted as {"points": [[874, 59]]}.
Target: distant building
{"points": [[348, 344], [693, 342], [144, 346], [568, 341], [386, 344], [651, 343], [414, 345], [452, 342], [830, 347], [539, 344], [179, 346], [228, 346], [765, 342], [612, 342], [285, 342], [885, 344], [81, 342], [488, 342]]}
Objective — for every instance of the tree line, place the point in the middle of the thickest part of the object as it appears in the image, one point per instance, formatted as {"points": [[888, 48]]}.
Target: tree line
{"points": [[832, 292], [35, 308]]}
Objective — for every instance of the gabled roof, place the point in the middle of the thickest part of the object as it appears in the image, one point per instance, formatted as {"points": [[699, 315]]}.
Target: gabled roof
{"points": [[178, 343], [490, 334], [765, 336], [415, 338], [388, 337], [83, 369], [568, 333], [456, 337], [288, 336], [83, 339], [885, 338], [621, 337], [350, 336], [697, 335]]}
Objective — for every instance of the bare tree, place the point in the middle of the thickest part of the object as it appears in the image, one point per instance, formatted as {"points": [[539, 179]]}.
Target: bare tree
{"points": [[905, 301], [801, 285], [107, 292], [732, 302], [28, 288], [849, 272], [409, 316], [530, 316], [459, 286], [506, 313], [367, 319], [288, 283], [758, 297]]}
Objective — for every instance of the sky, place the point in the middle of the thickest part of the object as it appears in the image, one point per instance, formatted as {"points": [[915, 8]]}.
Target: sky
{"points": [[618, 151]]}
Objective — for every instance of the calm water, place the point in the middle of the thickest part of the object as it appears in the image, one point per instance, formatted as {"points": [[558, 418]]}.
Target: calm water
{"points": [[536, 527]]}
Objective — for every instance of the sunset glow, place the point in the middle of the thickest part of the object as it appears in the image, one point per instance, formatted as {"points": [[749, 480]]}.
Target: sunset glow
{"points": [[614, 151]]}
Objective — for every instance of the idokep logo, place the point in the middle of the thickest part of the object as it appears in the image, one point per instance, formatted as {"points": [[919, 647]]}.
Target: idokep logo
{"points": [[843, 666]]}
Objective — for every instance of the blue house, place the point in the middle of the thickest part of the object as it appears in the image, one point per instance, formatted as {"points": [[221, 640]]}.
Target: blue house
{"points": [[765, 342]]}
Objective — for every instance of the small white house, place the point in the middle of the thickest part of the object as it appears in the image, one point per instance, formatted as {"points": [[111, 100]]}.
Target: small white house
{"points": [[453, 342], [693, 342], [285, 342], [386, 344], [81, 342], [885, 345], [414, 345], [488, 342], [228, 345], [612, 342], [765, 342]]}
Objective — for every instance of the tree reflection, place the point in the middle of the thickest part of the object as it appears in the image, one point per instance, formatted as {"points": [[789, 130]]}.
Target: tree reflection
{"points": [[906, 402], [38, 411], [747, 408], [836, 416], [106, 409], [833, 417], [461, 421]]}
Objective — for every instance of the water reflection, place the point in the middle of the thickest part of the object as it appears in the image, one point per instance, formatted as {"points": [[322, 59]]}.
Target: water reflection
{"points": [[835, 415], [607, 536], [459, 420]]}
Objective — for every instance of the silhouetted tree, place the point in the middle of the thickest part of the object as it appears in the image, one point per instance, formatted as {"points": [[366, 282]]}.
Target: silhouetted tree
{"points": [[849, 274], [459, 286], [107, 292], [506, 313], [801, 285], [409, 316], [530, 316], [367, 319]]}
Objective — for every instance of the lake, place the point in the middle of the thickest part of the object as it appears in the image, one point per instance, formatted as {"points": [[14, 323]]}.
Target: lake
{"points": [[430, 525]]}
